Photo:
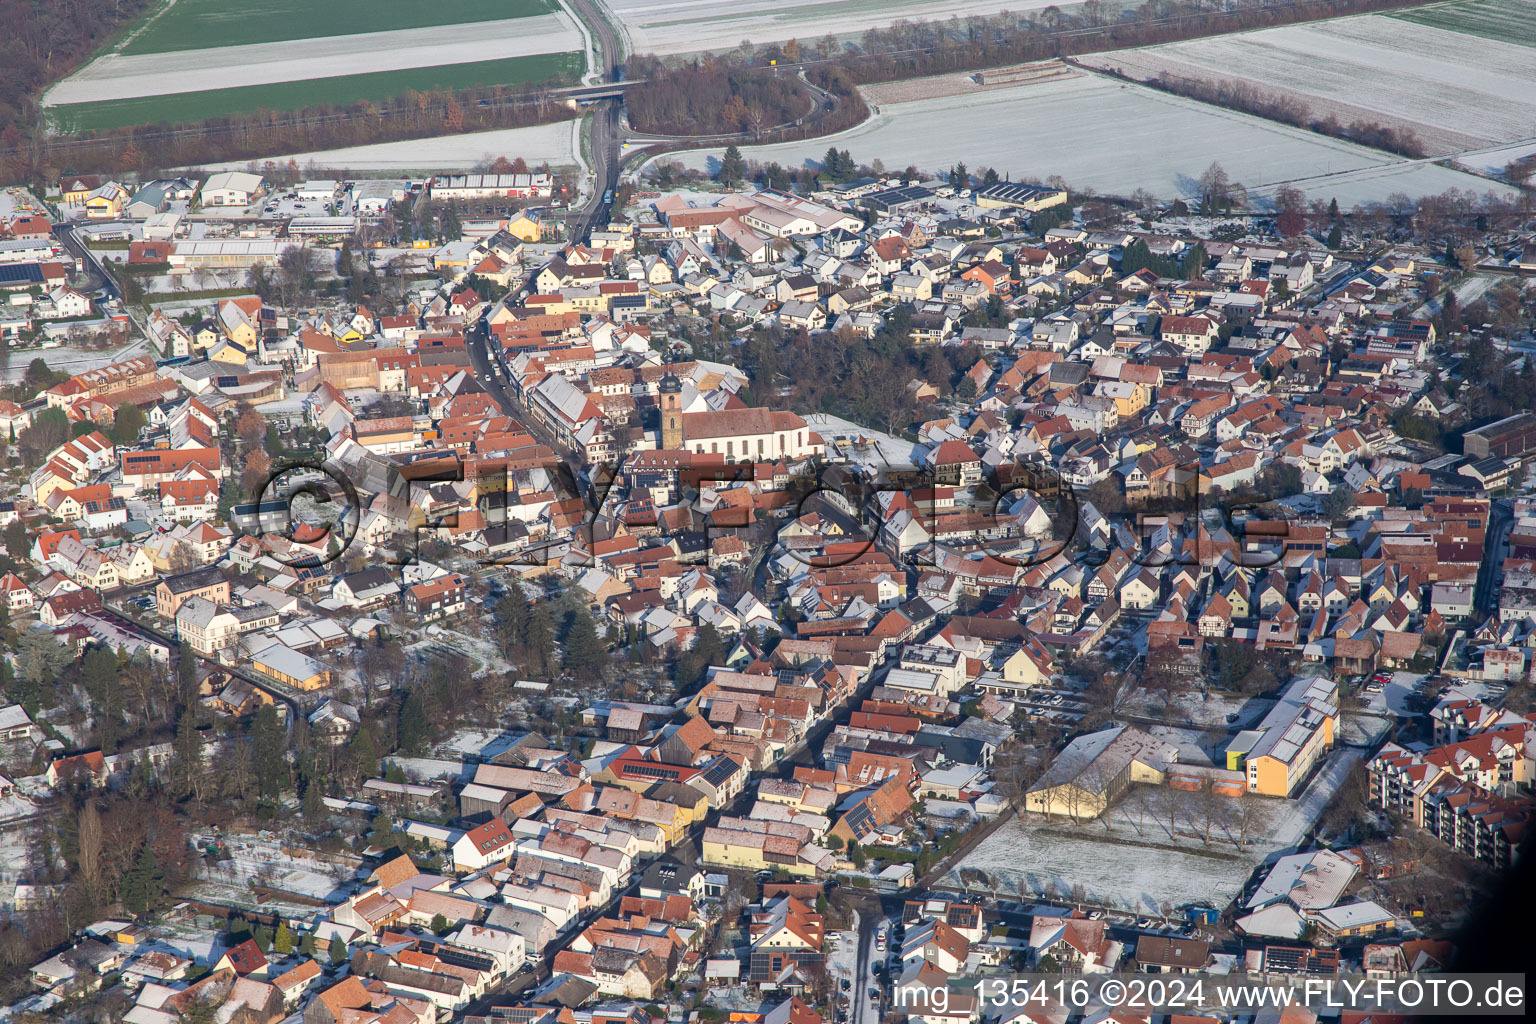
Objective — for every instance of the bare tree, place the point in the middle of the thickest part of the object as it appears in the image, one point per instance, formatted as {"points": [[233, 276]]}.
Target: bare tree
{"points": [[1214, 185], [1209, 805], [89, 855], [1172, 802], [1249, 817]]}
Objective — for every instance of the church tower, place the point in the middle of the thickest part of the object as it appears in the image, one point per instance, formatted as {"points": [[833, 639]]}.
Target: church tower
{"points": [[670, 395]]}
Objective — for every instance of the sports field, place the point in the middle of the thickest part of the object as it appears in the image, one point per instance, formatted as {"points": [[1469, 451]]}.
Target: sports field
{"points": [[339, 91], [196, 24]]}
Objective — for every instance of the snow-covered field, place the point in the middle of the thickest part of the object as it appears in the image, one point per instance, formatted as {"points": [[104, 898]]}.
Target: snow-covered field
{"points": [[116, 76], [687, 26], [1491, 161], [1135, 863], [536, 144], [1114, 137], [1461, 91]]}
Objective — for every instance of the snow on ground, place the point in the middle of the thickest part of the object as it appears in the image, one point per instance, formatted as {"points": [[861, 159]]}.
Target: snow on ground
{"points": [[1393, 697], [1026, 858], [1469, 290], [1191, 709], [843, 961], [1462, 91], [1115, 137], [484, 743], [428, 769], [687, 26], [154, 74], [15, 807], [1474, 690], [1410, 177], [1194, 744], [1135, 863], [536, 144], [1492, 161], [276, 869], [1364, 730], [266, 863], [876, 449], [13, 852], [13, 363], [486, 654]]}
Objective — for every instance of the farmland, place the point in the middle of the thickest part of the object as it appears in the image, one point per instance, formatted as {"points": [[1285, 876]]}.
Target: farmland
{"points": [[1461, 76], [200, 24], [685, 26], [1113, 137], [230, 67], [536, 145], [200, 59], [338, 91], [1505, 21]]}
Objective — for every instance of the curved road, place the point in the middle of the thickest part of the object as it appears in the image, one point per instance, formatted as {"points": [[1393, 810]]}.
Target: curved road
{"points": [[603, 124]]}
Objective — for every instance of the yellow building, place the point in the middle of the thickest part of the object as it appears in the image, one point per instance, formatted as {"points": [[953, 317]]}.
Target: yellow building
{"points": [[229, 352], [731, 847], [526, 226], [1093, 771], [1281, 752], [74, 190], [291, 668], [106, 202], [1022, 197], [204, 336], [1129, 397]]}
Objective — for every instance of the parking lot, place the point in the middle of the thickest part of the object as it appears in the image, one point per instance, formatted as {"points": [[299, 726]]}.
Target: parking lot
{"points": [[289, 204]]}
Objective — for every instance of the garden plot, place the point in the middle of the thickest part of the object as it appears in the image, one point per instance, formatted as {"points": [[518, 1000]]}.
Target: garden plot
{"points": [[538, 144], [268, 865], [1135, 862], [1112, 137], [1457, 90], [688, 26], [116, 76]]}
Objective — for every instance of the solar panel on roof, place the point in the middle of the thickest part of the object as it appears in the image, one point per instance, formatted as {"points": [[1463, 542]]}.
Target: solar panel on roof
{"points": [[722, 769], [861, 820]]}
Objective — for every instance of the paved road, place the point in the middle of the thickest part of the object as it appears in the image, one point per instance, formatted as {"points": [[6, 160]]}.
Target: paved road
{"points": [[1500, 519], [478, 344], [603, 125]]}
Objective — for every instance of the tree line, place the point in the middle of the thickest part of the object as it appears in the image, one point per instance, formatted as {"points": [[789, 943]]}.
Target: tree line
{"points": [[42, 43], [145, 149], [1250, 99], [909, 49]]}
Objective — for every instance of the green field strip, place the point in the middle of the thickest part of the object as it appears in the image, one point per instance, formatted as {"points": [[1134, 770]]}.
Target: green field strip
{"points": [[199, 24], [340, 91], [1503, 21]]}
